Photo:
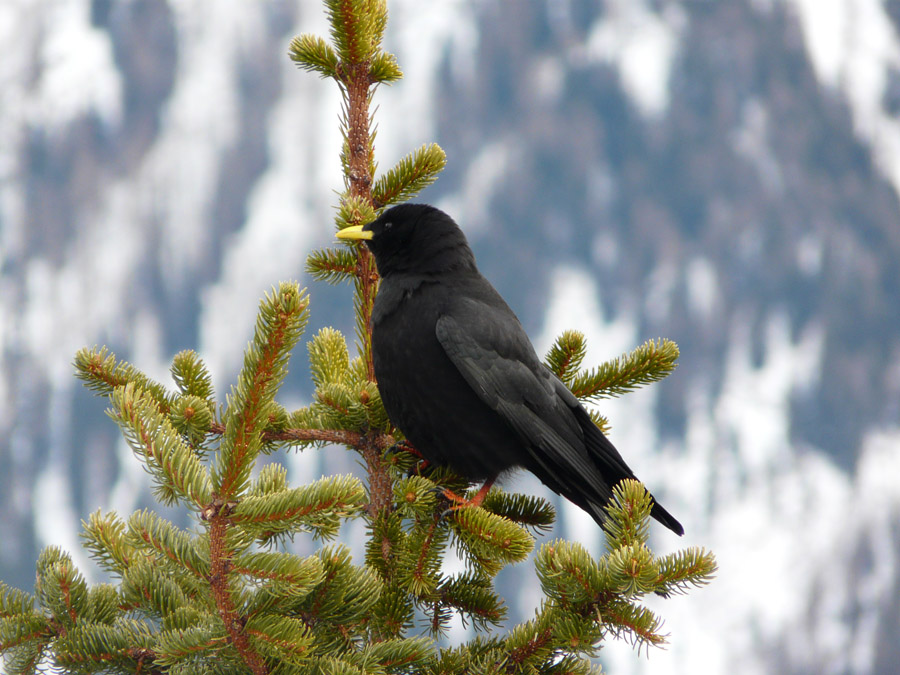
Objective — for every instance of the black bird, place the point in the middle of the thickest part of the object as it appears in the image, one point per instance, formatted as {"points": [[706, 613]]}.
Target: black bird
{"points": [[459, 376]]}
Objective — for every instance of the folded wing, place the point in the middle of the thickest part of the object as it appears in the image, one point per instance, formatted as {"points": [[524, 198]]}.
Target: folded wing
{"points": [[560, 443]]}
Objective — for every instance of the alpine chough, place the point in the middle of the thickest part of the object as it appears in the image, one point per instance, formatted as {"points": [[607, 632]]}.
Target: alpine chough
{"points": [[459, 376]]}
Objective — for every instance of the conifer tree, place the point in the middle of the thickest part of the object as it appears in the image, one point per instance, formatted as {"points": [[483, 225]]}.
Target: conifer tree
{"points": [[227, 596]]}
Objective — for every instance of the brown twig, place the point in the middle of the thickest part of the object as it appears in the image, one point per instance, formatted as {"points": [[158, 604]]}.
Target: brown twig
{"points": [[144, 657], [220, 562], [356, 82], [351, 439], [520, 654], [380, 491]]}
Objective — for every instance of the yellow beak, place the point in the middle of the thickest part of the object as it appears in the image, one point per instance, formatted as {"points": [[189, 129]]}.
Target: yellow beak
{"points": [[355, 232]]}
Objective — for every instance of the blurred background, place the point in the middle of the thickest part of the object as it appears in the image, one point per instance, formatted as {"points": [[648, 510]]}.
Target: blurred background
{"points": [[724, 174]]}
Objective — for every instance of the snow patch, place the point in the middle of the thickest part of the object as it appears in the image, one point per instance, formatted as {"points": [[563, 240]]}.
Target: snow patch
{"points": [[641, 42], [56, 521], [549, 79], [471, 204], [751, 141], [77, 72], [854, 47], [780, 519], [199, 123], [702, 287], [575, 304], [810, 253]]}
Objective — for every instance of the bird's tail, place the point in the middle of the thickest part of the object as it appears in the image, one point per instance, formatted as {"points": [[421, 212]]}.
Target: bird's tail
{"points": [[666, 518], [614, 468], [598, 512]]}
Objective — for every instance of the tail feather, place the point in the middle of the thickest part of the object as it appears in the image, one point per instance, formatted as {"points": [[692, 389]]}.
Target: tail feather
{"points": [[666, 518], [614, 469], [599, 514]]}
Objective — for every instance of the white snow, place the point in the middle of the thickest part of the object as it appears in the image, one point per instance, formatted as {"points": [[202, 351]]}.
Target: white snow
{"points": [[702, 287], [199, 124], [471, 203], [420, 35], [853, 46], [752, 142], [288, 214], [641, 42], [76, 68]]}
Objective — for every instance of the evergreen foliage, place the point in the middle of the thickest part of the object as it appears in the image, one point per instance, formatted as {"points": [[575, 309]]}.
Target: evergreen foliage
{"points": [[228, 596]]}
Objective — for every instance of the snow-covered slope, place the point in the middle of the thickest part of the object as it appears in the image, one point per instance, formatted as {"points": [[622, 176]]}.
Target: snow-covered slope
{"points": [[723, 174]]}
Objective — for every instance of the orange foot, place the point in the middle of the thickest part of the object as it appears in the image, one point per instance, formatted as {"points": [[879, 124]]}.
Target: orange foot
{"points": [[407, 447], [462, 502]]}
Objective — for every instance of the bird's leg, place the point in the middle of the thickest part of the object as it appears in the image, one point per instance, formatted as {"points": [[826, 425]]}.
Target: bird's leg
{"points": [[462, 502], [407, 447], [422, 464]]}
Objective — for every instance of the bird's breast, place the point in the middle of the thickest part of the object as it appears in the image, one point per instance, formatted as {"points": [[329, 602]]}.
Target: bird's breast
{"points": [[424, 393]]}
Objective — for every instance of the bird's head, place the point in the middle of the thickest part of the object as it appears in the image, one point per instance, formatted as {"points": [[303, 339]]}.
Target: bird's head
{"points": [[414, 239]]}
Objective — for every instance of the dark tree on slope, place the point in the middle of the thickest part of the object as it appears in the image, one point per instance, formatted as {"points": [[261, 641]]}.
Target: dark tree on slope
{"points": [[227, 596]]}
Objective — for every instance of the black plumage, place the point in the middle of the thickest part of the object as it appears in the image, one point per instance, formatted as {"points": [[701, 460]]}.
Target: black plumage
{"points": [[459, 376]]}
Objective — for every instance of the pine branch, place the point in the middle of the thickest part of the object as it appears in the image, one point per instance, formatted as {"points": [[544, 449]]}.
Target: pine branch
{"points": [[23, 631], [410, 175], [342, 604], [318, 508], [220, 561], [599, 420], [387, 543], [488, 540], [357, 27], [332, 265], [192, 377], [167, 543], [313, 54], [101, 373], [473, 596], [59, 587], [105, 538], [351, 439], [384, 68], [185, 647], [282, 318], [565, 356], [284, 640], [650, 362], [152, 589], [89, 645], [629, 515], [526, 510], [418, 569], [396, 655], [284, 574], [177, 472], [683, 569]]}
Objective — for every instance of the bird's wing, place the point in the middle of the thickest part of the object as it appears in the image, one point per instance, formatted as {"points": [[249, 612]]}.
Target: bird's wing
{"points": [[497, 360], [567, 451]]}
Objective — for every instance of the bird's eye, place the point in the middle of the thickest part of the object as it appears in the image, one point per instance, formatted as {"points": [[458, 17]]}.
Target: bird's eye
{"points": [[388, 225]]}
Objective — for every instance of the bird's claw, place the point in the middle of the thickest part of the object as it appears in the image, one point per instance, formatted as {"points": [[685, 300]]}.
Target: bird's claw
{"points": [[406, 446]]}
